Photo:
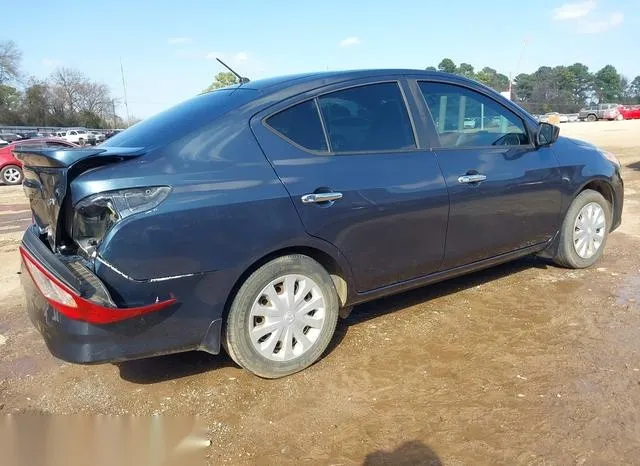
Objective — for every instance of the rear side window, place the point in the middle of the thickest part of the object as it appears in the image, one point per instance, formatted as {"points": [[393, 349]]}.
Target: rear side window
{"points": [[57, 144], [301, 125], [368, 118], [182, 120]]}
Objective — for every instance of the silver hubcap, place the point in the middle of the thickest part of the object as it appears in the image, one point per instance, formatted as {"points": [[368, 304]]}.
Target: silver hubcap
{"points": [[589, 230], [12, 175], [287, 317]]}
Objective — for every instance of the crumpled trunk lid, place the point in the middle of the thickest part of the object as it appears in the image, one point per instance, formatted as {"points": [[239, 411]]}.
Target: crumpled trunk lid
{"points": [[48, 172]]}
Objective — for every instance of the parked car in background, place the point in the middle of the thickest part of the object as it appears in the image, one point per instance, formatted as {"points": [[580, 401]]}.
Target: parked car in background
{"points": [[9, 137], [629, 112], [77, 136], [11, 168], [112, 133], [96, 136], [252, 216], [470, 123], [3, 143], [600, 112]]}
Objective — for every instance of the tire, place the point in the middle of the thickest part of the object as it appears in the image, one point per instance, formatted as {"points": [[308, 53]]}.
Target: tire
{"points": [[571, 250], [12, 175], [264, 291], [592, 117]]}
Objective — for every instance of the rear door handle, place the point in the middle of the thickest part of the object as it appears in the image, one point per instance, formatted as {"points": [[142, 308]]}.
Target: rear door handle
{"points": [[471, 178], [320, 197]]}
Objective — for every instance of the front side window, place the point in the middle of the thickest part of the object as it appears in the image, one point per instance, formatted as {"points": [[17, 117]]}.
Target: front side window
{"points": [[300, 124], [465, 118], [367, 119]]}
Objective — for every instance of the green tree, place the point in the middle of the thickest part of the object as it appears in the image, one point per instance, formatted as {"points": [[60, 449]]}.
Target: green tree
{"points": [[581, 83], [35, 104], [634, 89], [524, 84], [9, 105], [431, 68], [493, 79], [608, 85], [466, 70], [447, 65], [222, 79]]}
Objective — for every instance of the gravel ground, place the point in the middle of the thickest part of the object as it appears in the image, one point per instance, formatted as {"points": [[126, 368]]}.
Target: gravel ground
{"points": [[525, 363]]}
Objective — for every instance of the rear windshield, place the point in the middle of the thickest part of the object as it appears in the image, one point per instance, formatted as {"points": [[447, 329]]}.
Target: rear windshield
{"points": [[182, 119]]}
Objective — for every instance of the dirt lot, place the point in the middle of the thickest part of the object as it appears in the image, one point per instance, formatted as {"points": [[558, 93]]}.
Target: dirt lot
{"points": [[525, 363]]}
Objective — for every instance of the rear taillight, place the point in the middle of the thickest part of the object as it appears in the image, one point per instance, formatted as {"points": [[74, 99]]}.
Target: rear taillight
{"points": [[48, 287], [95, 215], [72, 305]]}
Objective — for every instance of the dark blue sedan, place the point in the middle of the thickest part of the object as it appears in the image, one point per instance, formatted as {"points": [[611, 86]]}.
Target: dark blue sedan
{"points": [[255, 215]]}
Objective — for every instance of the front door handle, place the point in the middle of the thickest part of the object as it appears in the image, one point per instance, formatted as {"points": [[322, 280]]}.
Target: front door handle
{"points": [[471, 178], [320, 197]]}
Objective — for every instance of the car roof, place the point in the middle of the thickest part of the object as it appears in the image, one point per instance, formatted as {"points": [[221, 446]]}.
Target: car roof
{"points": [[268, 85]]}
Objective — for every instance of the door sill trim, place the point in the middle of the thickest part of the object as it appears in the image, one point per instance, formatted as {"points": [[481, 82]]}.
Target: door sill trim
{"points": [[446, 274]]}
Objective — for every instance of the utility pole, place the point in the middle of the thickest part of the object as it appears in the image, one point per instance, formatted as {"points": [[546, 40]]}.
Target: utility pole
{"points": [[115, 117], [513, 75], [124, 88]]}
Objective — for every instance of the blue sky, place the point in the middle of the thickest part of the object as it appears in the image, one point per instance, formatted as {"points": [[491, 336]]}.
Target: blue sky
{"points": [[168, 51]]}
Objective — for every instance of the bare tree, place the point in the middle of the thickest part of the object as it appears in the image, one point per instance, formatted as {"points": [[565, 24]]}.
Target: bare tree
{"points": [[10, 57], [68, 86]]}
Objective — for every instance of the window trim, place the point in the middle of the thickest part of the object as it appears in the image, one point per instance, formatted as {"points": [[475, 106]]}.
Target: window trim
{"points": [[432, 122], [329, 152]]}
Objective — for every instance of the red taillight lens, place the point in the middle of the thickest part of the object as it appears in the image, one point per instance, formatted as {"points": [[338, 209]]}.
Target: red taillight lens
{"points": [[75, 307]]}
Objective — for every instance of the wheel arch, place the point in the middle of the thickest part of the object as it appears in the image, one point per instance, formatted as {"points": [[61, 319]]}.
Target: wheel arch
{"points": [[337, 268], [603, 187]]}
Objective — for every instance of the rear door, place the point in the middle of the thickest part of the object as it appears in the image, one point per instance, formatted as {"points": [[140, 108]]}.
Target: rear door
{"points": [[360, 178], [505, 192]]}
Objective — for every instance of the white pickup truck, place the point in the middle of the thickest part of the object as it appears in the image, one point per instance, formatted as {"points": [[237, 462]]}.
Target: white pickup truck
{"points": [[77, 136]]}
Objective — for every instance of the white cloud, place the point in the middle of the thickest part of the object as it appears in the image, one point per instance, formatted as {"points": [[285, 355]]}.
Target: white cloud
{"points": [[349, 42], [51, 62], [241, 56], [178, 40], [573, 10], [590, 26]]}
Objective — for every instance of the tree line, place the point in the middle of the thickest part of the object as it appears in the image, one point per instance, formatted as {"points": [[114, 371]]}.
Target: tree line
{"points": [[66, 98], [561, 88]]}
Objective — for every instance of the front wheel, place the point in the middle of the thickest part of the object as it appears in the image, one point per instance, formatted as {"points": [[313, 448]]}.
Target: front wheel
{"points": [[282, 318], [592, 118], [584, 231], [11, 174]]}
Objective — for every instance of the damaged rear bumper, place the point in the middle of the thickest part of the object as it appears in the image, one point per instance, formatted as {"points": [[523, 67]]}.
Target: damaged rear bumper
{"points": [[168, 328]]}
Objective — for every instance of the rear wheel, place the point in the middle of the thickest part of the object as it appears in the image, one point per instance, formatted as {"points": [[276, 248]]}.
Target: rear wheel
{"points": [[584, 231], [592, 117], [282, 318], [11, 174]]}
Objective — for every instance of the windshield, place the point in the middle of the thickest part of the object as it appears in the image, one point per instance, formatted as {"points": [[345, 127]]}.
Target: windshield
{"points": [[182, 119]]}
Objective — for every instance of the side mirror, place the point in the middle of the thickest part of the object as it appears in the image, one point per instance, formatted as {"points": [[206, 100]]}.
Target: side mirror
{"points": [[547, 134]]}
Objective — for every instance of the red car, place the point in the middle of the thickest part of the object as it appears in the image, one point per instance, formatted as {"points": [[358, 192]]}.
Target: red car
{"points": [[629, 112], [11, 168]]}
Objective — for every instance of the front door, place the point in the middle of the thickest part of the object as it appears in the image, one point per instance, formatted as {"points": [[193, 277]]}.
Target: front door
{"points": [[505, 192], [358, 179]]}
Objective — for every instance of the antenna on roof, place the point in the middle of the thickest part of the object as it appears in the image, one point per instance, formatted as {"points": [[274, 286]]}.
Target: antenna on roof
{"points": [[242, 79]]}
